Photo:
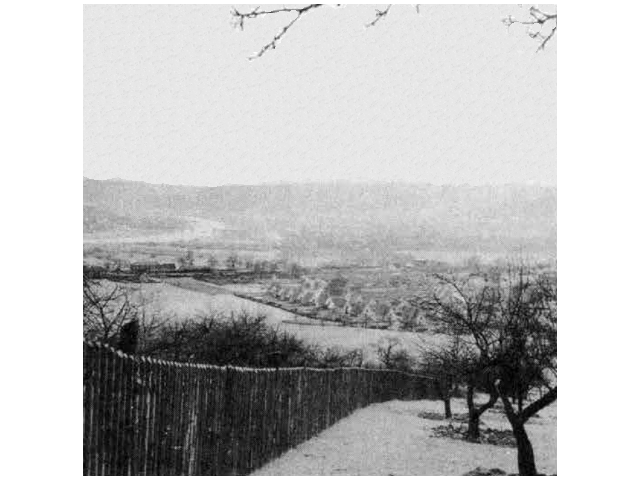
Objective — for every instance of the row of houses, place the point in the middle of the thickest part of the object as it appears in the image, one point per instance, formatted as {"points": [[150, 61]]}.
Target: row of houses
{"points": [[348, 305]]}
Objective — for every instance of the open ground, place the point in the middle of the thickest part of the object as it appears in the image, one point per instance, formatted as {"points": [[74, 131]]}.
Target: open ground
{"points": [[392, 439]]}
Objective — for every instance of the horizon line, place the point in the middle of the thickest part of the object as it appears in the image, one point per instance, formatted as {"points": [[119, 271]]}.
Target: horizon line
{"points": [[325, 182]]}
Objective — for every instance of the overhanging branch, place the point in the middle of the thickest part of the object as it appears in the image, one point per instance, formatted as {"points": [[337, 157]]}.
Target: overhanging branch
{"points": [[540, 18], [239, 19]]}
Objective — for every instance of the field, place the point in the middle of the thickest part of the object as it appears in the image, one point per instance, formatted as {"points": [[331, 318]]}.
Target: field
{"points": [[190, 298]]}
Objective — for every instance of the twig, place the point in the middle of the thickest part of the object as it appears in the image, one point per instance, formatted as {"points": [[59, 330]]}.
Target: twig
{"points": [[379, 15], [240, 17]]}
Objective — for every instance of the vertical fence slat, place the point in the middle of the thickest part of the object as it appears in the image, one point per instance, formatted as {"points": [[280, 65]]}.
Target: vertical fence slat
{"points": [[161, 434], [88, 405], [255, 415], [99, 416], [228, 424], [141, 416], [200, 422], [221, 427], [168, 420], [182, 418], [189, 389], [112, 408], [152, 393]]}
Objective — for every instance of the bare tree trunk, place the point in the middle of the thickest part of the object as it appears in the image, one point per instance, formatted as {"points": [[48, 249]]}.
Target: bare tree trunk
{"points": [[447, 407], [473, 430], [444, 390], [526, 459]]}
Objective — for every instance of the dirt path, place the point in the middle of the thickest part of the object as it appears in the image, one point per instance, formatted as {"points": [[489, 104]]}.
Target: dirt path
{"points": [[390, 439]]}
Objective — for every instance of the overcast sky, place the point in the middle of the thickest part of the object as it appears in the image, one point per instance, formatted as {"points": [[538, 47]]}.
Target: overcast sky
{"points": [[445, 97]]}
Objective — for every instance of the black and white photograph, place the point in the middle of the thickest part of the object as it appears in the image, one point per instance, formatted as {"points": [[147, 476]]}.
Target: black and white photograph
{"points": [[320, 240]]}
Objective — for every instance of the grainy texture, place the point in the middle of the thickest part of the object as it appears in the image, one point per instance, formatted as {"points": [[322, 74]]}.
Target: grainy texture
{"points": [[152, 417]]}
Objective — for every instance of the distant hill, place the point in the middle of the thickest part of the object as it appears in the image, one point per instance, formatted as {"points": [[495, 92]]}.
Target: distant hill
{"points": [[342, 215]]}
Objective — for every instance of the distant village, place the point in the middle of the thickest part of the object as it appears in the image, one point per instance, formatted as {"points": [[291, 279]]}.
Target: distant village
{"points": [[288, 286], [336, 300]]}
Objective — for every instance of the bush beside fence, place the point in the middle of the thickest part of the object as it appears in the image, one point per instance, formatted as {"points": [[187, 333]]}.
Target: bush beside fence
{"points": [[145, 416]]}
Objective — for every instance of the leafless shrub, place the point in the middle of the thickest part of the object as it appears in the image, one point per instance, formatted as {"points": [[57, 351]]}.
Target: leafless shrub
{"points": [[107, 309]]}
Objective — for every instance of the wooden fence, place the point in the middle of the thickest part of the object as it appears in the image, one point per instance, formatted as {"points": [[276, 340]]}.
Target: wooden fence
{"points": [[145, 416]]}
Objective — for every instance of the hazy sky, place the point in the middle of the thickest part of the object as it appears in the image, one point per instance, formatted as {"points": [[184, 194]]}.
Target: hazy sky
{"points": [[447, 96]]}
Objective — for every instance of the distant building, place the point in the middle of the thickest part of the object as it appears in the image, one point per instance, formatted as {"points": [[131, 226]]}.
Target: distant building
{"points": [[394, 319], [374, 312], [289, 293], [307, 298], [335, 303], [354, 305], [295, 293], [140, 267], [273, 289], [320, 298]]}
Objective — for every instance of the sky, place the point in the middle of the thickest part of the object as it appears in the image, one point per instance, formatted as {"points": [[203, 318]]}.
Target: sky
{"points": [[447, 96]]}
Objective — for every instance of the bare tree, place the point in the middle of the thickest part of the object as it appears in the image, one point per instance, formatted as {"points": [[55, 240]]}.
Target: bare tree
{"points": [[467, 312], [449, 364], [508, 328], [537, 18], [526, 357]]}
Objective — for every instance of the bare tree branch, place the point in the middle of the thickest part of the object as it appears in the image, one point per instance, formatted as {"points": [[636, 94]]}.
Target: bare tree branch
{"points": [[540, 18], [239, 18], [547, 399], [380, 14]]}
